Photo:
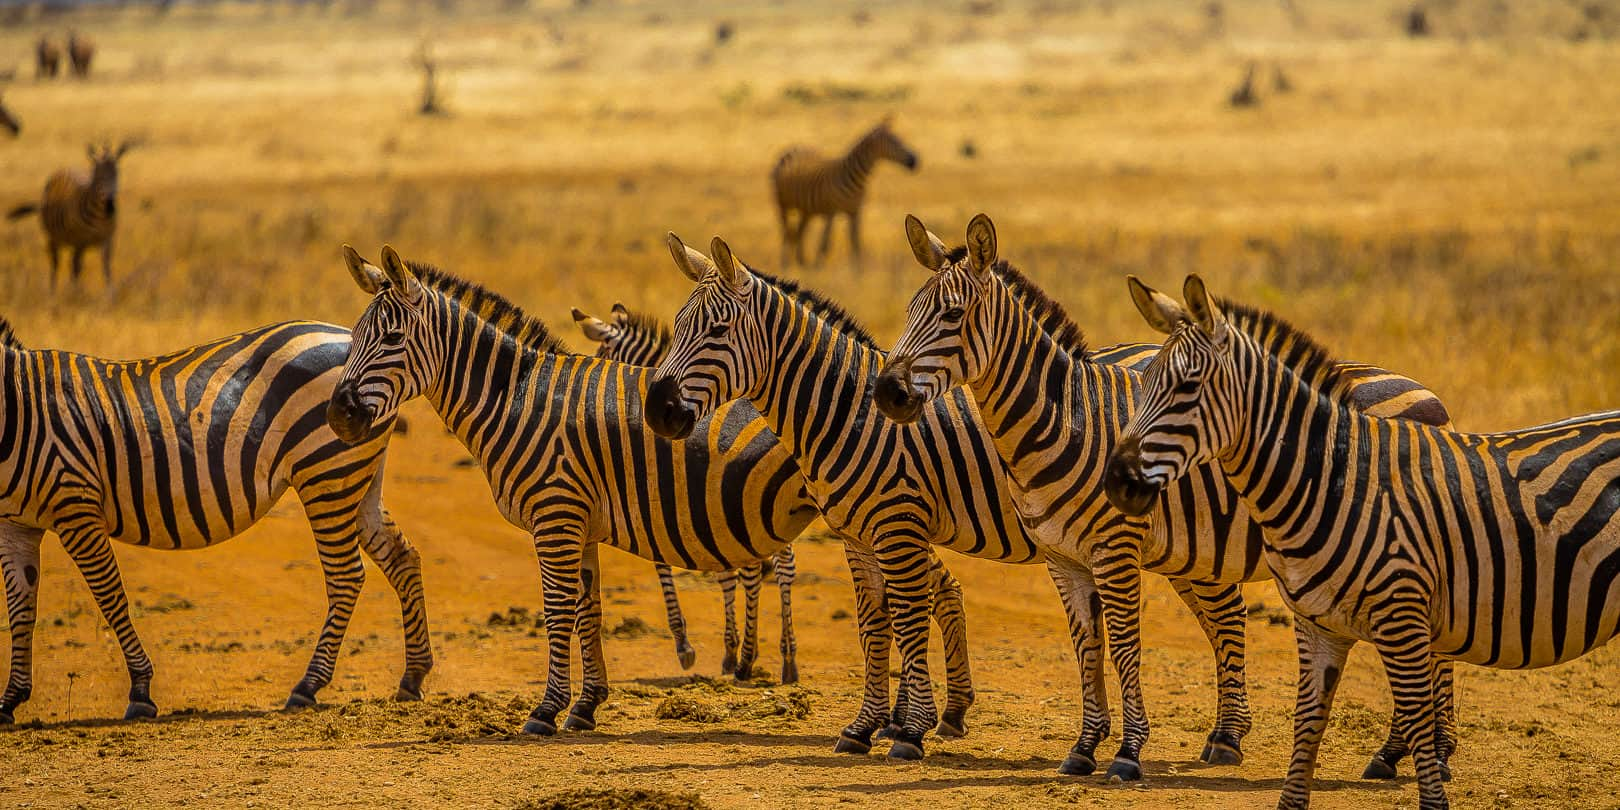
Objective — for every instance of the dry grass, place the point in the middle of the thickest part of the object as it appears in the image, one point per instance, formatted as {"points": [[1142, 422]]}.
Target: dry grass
{"points": [[1443, 206]]}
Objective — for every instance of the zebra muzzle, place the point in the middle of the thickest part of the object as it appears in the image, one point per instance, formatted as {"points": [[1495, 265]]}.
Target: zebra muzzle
{"points": [[1127, 488], [667, 414], [349, 417], [894, 395]]}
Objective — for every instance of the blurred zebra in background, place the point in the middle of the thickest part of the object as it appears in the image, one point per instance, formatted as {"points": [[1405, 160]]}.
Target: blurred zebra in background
{"points": [[79, 211], [638, 339], [80, 51], [812, 185], [186, 451], [47, 59], [9, 122]]}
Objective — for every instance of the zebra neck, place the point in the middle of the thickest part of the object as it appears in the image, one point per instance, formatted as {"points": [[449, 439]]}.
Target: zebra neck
{"points": [[482, 370], [1297, 456], [859, 162], [816, 387]]}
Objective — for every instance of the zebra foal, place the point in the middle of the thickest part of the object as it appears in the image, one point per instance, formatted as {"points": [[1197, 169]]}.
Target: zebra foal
{"points": [[80, 211], [810, 184], [1499, 549]]}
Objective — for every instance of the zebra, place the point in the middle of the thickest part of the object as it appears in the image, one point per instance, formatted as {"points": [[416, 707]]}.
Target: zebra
{"points": [[1055, 410], [560, 438], [9, 122], [813, 185], [80, 51], [47, 59], [638, 339], [1498, 549], [809, 369], [184, 451], [80, 212]]}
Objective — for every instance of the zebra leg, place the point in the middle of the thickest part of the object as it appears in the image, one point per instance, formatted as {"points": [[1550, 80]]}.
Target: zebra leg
{"points": [[1083, 607], [952, 621], [19, 568], [106, 260], [677, 622], [593, 664], [1221, 613], [871, 609], [1383, 764], [92, 553], [1118, 573], [561, 552], [55, 252], [728, 592], [1321, 660], [753, 576], [386, 545], [798, 236], [787, 234], [77, 265], [337, 545], [909, 583], [1404, 640], [787, 570], [826, 240], [854, 237]]}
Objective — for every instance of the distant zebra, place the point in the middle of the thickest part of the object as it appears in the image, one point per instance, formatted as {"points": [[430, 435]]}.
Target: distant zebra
{"points": [[80, 212], [1056, 410], [47, 59], [569, 459], [1499, 549], [185, 451], [80, 51], [812, 185], [9, 122], [638, 339]]}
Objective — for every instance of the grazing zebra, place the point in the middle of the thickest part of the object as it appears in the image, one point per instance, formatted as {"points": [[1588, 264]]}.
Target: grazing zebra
{"points": [[1055, 412], [638, 339], [810, 370], [9, 122], [812, 185], [80, 51], [561, 440], [1499, 549], [184, 451], [80, 212], [47, 59]]}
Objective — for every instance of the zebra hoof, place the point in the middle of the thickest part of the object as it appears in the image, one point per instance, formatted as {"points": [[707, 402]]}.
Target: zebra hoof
{"points": [[298, 700], [1222, 749], [577, 723], [951, 729], [728, 664], [1078, 764], [1445, 771], [540, 728], [407, 695], [850, 744], [905, 751], [687, 657], [7, 718], [1378, 769], [140, 711], [1124, 770], [888, 732], [790, 673]]}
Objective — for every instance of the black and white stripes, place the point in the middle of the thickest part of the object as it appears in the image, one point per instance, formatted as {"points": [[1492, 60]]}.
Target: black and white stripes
{"points": [[80, 211], [808, 184]]}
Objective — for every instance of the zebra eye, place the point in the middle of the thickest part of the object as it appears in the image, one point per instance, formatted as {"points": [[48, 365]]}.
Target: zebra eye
{"points": [[719, 330], [393, 338], [952, 314]]}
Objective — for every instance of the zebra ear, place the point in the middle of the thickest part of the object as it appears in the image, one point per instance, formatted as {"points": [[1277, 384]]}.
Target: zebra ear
{"points": [[930, 252], [725, 262], [398, 275], [694, 264], [1202, 309], [366, 274], [981, 244], [1159, 310], [621, 313], [594, 328]]}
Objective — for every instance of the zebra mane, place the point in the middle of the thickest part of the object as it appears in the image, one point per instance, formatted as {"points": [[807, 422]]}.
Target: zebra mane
{"points": [[491, 306], [1300, 352], [8, 338], [1054, 320], [821, 305]]}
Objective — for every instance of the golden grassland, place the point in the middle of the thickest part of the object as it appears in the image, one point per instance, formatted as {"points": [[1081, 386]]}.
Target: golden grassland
{"points": [[1445, 206]]}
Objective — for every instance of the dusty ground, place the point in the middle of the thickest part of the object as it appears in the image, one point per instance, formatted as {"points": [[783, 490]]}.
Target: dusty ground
{"points": [[1443, 206]]}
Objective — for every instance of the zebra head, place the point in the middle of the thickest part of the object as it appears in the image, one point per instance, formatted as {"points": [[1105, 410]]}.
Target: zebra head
{"points": [[1187, 411], [636, 340], [944, 341], [389, 353], [885, 145], [104, 174], [709, 358]]}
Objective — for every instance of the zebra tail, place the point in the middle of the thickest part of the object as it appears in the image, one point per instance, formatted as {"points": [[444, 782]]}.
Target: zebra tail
{"points": [[23, 210]]}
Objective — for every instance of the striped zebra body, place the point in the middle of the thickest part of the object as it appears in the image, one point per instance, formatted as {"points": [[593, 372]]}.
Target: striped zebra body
{"points": [[637, 339], [1056, 410], [561, 440], [80, 211], [808, 184], [80, 51], [47, 59], [185, 451], [1501, 550]]}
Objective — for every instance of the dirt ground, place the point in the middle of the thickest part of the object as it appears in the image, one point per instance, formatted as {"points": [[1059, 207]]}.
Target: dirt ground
{"points": [[1444, 206]]}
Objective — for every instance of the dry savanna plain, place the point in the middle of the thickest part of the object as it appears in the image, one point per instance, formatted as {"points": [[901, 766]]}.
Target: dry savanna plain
{"points": [[1448, 206]]}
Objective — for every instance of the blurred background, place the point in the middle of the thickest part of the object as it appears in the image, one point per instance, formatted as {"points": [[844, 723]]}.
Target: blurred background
{"points": [[1432, 187]]}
